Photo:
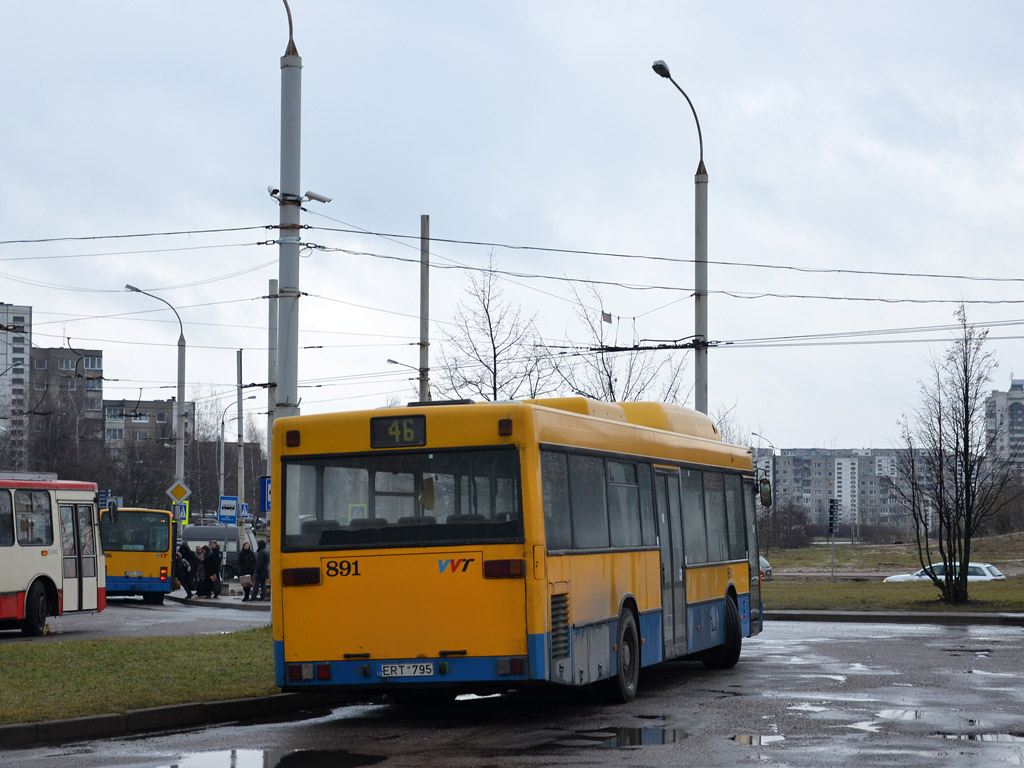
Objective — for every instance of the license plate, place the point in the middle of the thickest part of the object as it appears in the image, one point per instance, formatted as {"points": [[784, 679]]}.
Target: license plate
{"points": [[133, 573], [407, 670]]}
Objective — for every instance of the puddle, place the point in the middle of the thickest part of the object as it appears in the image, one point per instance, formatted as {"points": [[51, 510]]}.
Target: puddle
{"points": [[899, 714], [1013, 737], [258, 758], [613, 738], [758, 739]]}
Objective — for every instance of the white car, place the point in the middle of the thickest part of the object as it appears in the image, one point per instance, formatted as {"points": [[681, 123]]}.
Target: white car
{"points": [[975, 572]]}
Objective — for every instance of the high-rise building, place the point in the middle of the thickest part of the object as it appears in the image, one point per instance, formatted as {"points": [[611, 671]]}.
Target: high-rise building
{"points": [[1004, 415], [15, 361]]}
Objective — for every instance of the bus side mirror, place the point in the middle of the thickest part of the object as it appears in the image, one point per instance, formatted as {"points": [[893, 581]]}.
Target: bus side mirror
{"points": [[111, 512], [765, 488]]}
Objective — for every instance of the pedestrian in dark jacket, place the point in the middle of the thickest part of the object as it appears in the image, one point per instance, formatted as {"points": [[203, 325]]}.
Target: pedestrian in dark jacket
{"points": [[262, 570], [246, 570], [188, 569], [213, 561]]}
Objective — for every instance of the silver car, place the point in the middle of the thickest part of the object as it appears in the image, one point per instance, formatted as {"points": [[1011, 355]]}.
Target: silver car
{"points": [[975, 572]]}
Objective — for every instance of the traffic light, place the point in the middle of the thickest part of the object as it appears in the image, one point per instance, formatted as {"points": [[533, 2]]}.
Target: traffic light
{"points": [[833, 521]]}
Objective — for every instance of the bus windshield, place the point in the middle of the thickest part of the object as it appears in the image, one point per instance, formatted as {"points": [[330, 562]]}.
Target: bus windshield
{"points": [[402, 499], [136, 532]]}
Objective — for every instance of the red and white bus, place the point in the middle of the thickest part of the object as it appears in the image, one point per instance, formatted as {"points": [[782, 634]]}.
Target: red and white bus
{"points": [[50, 555]]}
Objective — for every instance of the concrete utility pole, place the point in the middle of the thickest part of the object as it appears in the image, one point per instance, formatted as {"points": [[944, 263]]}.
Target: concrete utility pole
{"points": [[241, 439], [271, 368], [700, 323], [288, 237], [424, 308]]}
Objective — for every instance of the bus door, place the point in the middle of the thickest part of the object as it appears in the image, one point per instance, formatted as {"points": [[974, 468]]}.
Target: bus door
{"points": [[673, 570], [78, 548], [753, 557]]}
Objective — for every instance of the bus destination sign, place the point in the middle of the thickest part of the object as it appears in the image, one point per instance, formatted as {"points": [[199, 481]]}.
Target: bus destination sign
{"points": [[398, 431]]}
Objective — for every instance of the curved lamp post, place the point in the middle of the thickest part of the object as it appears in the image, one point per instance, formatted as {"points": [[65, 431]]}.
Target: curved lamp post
{"points": [[179, 404], [223, 415], [700, 261]]}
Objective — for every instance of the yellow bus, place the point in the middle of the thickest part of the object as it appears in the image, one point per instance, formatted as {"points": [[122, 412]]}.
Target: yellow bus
{"points": [[138, 546], [479, 546]]}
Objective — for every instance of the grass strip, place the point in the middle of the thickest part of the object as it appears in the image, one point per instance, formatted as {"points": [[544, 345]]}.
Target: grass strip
{"points": [[821, 594], [51, 680]]}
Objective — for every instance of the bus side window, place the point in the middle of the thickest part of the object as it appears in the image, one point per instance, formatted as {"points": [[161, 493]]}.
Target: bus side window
{"points": [[34, 518], [589, 502], [6, 520], [555, 486]]}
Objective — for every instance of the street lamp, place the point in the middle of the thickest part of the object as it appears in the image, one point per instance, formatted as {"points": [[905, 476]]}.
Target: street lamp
{"points": [[179, 405], [223, 415], [700, 261]]}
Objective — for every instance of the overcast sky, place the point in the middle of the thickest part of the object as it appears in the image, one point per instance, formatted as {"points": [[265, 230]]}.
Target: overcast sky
{"points": [[886, 138]]}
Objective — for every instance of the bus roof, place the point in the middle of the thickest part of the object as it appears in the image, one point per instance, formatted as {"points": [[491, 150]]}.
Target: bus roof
{"points": [[59, 485]]}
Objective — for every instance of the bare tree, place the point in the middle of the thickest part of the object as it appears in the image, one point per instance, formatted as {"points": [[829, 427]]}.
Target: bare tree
{"points": [[629, 375], [494, 354], [950, 473]]}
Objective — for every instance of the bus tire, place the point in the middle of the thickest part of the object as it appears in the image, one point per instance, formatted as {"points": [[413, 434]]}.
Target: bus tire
{"points": [[153, 598], [627, 659], [727, 654], [34, 624]]}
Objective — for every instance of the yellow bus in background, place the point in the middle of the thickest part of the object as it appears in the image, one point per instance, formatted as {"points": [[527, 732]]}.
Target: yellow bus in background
{"points": [[480, 546], [138, 547]]}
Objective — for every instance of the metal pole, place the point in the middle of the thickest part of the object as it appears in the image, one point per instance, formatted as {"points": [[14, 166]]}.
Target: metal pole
{"points": [[700, 306], [220, 474], [424, 307], [271, 370], [288, 239], [179, 411], [241, 439]]}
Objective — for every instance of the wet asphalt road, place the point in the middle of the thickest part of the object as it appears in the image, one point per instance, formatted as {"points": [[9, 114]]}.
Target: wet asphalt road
{"points": [[130, 617], [803, 694]]}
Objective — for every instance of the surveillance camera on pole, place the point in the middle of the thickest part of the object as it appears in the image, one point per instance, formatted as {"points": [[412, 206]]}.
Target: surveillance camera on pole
{"points": [[316, 196]]}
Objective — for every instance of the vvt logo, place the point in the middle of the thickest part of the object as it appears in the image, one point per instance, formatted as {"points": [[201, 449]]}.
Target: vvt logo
{"points": [[456, 566]]}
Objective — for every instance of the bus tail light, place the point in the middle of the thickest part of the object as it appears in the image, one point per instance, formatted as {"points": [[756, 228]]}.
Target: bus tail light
{"points": [[504, 569], [309, 671], [296, 577], [291, 438], [504, 427], [515, 666], [163, 573]]}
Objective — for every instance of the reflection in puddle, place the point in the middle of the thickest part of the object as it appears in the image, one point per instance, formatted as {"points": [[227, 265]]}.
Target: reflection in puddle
{"points": [[1015, 737], [758, 739], [623, 737], [899, 714], [258, 758]]}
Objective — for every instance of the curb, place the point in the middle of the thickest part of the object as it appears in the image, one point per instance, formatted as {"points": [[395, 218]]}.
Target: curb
{"points": [[224, 601], [900, 617], [22, 735]]}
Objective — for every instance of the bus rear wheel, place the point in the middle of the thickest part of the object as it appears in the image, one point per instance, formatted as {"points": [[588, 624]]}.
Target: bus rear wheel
{"points": [[727, 654], [34, 624], [627, 659]]}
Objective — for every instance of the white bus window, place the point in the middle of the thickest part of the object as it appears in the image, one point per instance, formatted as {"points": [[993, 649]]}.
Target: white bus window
{"points": [[33, 518], [6, 520]]}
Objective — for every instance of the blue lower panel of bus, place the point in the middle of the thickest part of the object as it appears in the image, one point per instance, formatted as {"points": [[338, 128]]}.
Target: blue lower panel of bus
{"points": [[453, 670], [136, 585], [706, 623]]}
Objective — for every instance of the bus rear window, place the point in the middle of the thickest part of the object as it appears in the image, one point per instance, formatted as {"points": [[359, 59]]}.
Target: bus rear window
{"points": [[402, 499]]}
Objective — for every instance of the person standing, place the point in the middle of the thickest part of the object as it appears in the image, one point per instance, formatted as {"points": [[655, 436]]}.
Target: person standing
{"points": [[189, 569], [262, 570], [246, 570], [213, 561]]}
